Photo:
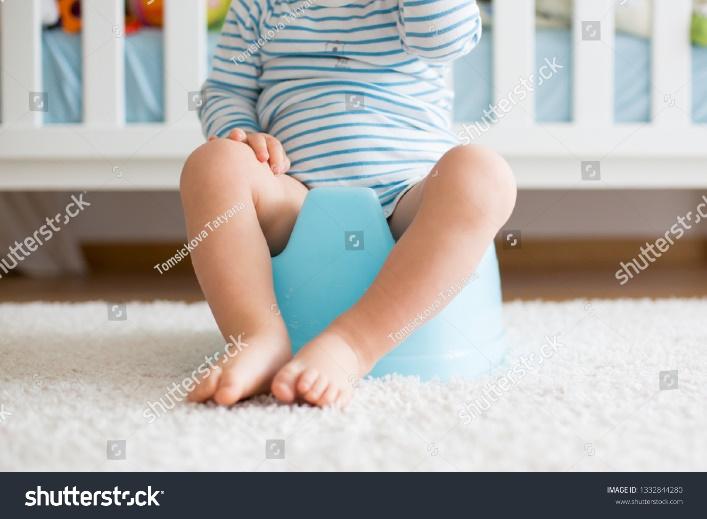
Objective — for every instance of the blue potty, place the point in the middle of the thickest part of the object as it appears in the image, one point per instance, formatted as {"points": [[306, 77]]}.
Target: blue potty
{"points": [[338, 245]]}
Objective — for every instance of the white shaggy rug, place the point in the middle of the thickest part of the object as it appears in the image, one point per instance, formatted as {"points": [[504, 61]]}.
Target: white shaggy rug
{"points": [[71, 380]]}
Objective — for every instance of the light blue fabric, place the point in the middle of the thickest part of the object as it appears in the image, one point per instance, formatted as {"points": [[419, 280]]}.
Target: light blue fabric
{"points": [[61, 74], [337, 247], [144, 75], [632, 70], [699, 84], [473, 73], [554, 96], [474, 90]]}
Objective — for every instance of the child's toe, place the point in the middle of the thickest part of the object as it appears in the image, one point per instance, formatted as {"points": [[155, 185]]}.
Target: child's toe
{"points": [[307, 380], [329, 396], [283, 385], [230, 389], [317, 389], [206, 387]]}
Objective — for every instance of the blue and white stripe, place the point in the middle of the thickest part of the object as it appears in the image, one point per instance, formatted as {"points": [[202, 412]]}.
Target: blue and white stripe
{"points": [[354, 90]]}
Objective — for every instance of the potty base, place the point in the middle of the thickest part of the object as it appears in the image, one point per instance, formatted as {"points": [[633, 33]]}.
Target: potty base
{"points": [[339, 243]]}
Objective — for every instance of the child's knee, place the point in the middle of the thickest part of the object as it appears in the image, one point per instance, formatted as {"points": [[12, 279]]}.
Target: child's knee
{"points": [[217, 162], [483, 178]]}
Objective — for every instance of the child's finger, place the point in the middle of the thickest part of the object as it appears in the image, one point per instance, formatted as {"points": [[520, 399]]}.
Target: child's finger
{"points": [[278, 160], [259, 145], [238, 135]]}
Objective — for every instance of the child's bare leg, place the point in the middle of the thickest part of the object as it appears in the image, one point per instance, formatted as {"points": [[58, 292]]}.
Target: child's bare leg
{"points": [[462, 205], [233, 262]]}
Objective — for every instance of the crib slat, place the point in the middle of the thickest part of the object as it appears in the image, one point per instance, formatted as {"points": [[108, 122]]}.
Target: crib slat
{"points": [[103, 29], [184, 57], [21, 58], [594, 62], [672, 85], [514, 59]]}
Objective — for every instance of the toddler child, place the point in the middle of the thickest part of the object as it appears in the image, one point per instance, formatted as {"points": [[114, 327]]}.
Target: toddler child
{"points": [[334, 93]]}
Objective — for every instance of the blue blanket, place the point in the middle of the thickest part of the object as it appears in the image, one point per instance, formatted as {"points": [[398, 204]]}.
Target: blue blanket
{"points": [[144, 80]]}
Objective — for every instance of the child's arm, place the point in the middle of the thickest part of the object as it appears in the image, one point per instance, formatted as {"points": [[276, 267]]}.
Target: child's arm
{"points": [[439, 30], [231, 90]]}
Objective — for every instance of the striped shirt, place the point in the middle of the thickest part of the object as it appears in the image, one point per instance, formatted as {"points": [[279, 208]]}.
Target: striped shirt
{"points": [[355, 90]]}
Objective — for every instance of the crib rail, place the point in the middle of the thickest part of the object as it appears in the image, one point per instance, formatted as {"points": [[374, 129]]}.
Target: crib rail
{"points": [[541, 153], [514, 56], [21, 80], [594, 63], [103, 47], [672, 74], [185, 57]]}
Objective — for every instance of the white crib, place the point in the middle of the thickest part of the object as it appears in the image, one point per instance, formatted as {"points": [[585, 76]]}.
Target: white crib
{"points": [[105, 153]]}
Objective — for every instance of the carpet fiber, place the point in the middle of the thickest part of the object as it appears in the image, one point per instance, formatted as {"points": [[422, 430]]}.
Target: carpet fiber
{"points": [[580, 390]]}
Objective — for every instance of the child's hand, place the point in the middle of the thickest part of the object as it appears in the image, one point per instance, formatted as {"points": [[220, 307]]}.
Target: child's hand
{"points": [[266, 147]]}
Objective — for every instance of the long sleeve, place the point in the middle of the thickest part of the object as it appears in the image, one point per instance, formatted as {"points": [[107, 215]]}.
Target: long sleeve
{"points": [[439, 31], [231, 91]]}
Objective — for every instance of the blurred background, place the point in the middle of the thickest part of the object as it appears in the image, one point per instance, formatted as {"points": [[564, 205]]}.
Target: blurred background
{"points": [[570, 241]]}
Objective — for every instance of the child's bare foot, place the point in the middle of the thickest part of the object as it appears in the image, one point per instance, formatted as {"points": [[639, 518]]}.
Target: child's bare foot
{"points": [[245, 374], [322, 373]]}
